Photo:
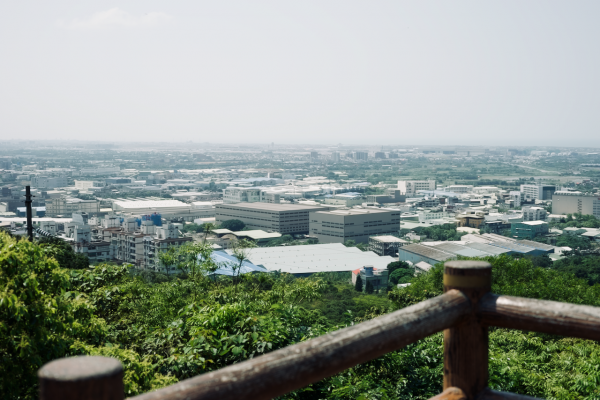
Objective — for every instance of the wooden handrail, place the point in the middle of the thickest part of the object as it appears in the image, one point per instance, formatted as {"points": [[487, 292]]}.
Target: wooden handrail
{"points": [[296, 366], [540, 316], [464, 312]]}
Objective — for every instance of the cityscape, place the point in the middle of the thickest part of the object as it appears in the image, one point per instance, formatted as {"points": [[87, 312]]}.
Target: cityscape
{"points": [[340, 200], [113, 204]]}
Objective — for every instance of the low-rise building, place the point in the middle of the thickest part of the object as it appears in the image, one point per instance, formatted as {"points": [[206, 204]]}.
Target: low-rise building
{"points": [[386, 245], [471, 219], [369, 274], [410, 188], [534, 214], [528, 229]]}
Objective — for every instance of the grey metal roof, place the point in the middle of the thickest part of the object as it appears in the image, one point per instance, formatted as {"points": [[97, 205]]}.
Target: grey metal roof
{"points": [[304, 259], [427, 251], [461, 250], [492, 250], [536, 245]]}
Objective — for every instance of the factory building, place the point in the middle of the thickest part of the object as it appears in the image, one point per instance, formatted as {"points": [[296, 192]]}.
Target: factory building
{"points": [[269, 217], [337, 226]]}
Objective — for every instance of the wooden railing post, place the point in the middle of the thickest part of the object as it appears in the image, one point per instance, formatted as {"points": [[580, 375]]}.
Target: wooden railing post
{"points": [[466, 344], [78, 378]]}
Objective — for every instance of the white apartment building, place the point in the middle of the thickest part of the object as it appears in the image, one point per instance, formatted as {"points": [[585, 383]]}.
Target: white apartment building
{"points": [[515, 197], [67, 206], [534, 214], [410, 188], [164, 238], [232, 195]]}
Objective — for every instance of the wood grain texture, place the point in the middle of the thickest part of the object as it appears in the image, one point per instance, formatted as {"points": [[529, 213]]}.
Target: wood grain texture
{"points": [[466, 344], [540, 316], [296, 366], [452, 393], [85, 377], [488, 394]]}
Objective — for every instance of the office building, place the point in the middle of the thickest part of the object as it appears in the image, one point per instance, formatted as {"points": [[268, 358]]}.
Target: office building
{"points": [[534, 214], [337, 226], [270, 217], [576, 202], [52, 182], [531, 193], [410, 188]]}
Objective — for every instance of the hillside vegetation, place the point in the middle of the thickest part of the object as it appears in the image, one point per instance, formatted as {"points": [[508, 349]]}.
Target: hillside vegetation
{"points": [[168, 328]]}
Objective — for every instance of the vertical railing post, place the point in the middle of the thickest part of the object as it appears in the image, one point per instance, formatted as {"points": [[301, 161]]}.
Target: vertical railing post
{"points": [[466, 344], [85, 377]]}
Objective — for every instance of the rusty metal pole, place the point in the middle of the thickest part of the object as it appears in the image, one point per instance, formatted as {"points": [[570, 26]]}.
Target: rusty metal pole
{"points": [[466, 344], [84, 377], [29, 213]]}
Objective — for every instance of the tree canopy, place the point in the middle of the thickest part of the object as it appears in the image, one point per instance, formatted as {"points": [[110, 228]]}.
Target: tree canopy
{"points": [[233, 225]]}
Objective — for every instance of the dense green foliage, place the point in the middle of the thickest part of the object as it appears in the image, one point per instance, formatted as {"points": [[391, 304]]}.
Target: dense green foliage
{"points": [[62, 252], [233, 225], [400, 272], [574, 242], [441, 232], [40, 317], [582, 264], [167, 328], [579, 221]]}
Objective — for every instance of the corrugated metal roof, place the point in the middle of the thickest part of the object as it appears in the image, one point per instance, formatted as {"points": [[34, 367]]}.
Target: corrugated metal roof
{"points": [[536, 245], [461, 250], [334, 257], [492, 250], [427, 251]]}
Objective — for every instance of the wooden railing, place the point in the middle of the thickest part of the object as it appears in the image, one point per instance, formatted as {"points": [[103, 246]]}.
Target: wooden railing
{"points": [[463, 312]]}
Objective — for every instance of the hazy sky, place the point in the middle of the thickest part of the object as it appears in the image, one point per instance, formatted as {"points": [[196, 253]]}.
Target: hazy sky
{"points": [[389, 72]]}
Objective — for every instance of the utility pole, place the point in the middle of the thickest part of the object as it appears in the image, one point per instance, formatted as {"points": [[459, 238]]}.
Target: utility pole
{"points": [[28, 206]]}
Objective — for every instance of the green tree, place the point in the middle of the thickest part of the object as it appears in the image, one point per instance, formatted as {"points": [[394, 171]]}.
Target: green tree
{"points": [[62, 252], [358, 286], [208, 228], [40, 317], [401, 275], [234, 225], [369, 287]]}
